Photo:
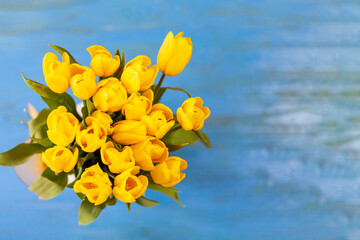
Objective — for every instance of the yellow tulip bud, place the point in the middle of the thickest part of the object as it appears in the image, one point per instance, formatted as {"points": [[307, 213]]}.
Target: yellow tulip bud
{"points": [[128, 187], [83, 82], [169, 172], [174, 54], [149, 151], [62, 126], [95, 184], [118, 161], [105, 120], [191, 114], [93, 137], [159, 121], [102, 62], [110, 96], [127, 132], [138, 105], [57, 74], [60, 158], [137, 75]]}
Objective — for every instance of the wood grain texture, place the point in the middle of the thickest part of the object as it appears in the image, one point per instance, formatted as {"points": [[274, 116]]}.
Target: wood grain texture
{"points": [[282, 79]]}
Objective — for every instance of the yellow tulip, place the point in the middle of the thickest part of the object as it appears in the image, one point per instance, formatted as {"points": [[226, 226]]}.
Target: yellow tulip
{"points": [[169, 173], [149, 151], [138, 105], [60, 158], [191, 114], [174, 54], [104, 119], [95, 184], [57, 74], [118, 161], [127, 132], [62, 126], [159, 121], [137, 75], [92, 137], [83, 82], [128, 187], [102, 62], [110, 96]]}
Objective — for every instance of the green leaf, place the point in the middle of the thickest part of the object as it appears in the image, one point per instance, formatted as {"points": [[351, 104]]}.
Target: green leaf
{"points": [[61, 50], [111, 200], [82, 160], [81, 196], [142, 201], [45, 142], [52, 104], [78, 173], [203, 138], [84, 110], [41, 89], [49, 184], [169, 191], [90, 107], [120, 70], [128, 206], [20, 154], [117, 52], [38, 125], [117, 117], [178, 138], [174, 148], [52, 99], [159, 95], [88, 212]]}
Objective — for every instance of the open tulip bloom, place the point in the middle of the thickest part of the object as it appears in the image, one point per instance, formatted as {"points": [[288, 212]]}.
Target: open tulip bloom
{"points": [[122, 143]]}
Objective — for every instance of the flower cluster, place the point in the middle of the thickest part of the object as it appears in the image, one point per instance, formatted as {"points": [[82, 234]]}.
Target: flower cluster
{"points": [[120, 144]]}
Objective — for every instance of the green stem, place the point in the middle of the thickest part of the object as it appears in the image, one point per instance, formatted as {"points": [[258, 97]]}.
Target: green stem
{"points": [[116, 145], [179, 89], [159, 85]]}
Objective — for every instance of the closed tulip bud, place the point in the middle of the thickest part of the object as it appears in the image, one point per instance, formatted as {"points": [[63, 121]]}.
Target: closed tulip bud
{"points": [[128, 187], [149, 151], [159, 121], [174, 54], [95, 184], [169, 173], [104, 119], [102, 62], [127, 132], [60, 159], [138, 105], [62, 126], [110, 96], [118, 161], [83, 82], [191, 114], [137, 75], [92, 137], [57, 74]]}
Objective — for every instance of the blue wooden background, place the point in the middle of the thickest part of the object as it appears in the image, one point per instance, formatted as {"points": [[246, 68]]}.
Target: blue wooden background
{"points": [[282, 79]]}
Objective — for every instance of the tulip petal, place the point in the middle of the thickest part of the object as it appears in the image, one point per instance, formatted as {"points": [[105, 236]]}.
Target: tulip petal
{"points": [[178, 62], [160, 174], [165, 52], [95, 48], [185, 122]]}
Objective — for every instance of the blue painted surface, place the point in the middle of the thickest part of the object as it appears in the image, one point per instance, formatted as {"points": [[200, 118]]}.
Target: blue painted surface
{"points": [[282, 79]]}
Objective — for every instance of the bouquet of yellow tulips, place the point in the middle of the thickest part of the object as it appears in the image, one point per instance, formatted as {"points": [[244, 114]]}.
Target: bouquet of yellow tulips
{"points": [[118, 146]]}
